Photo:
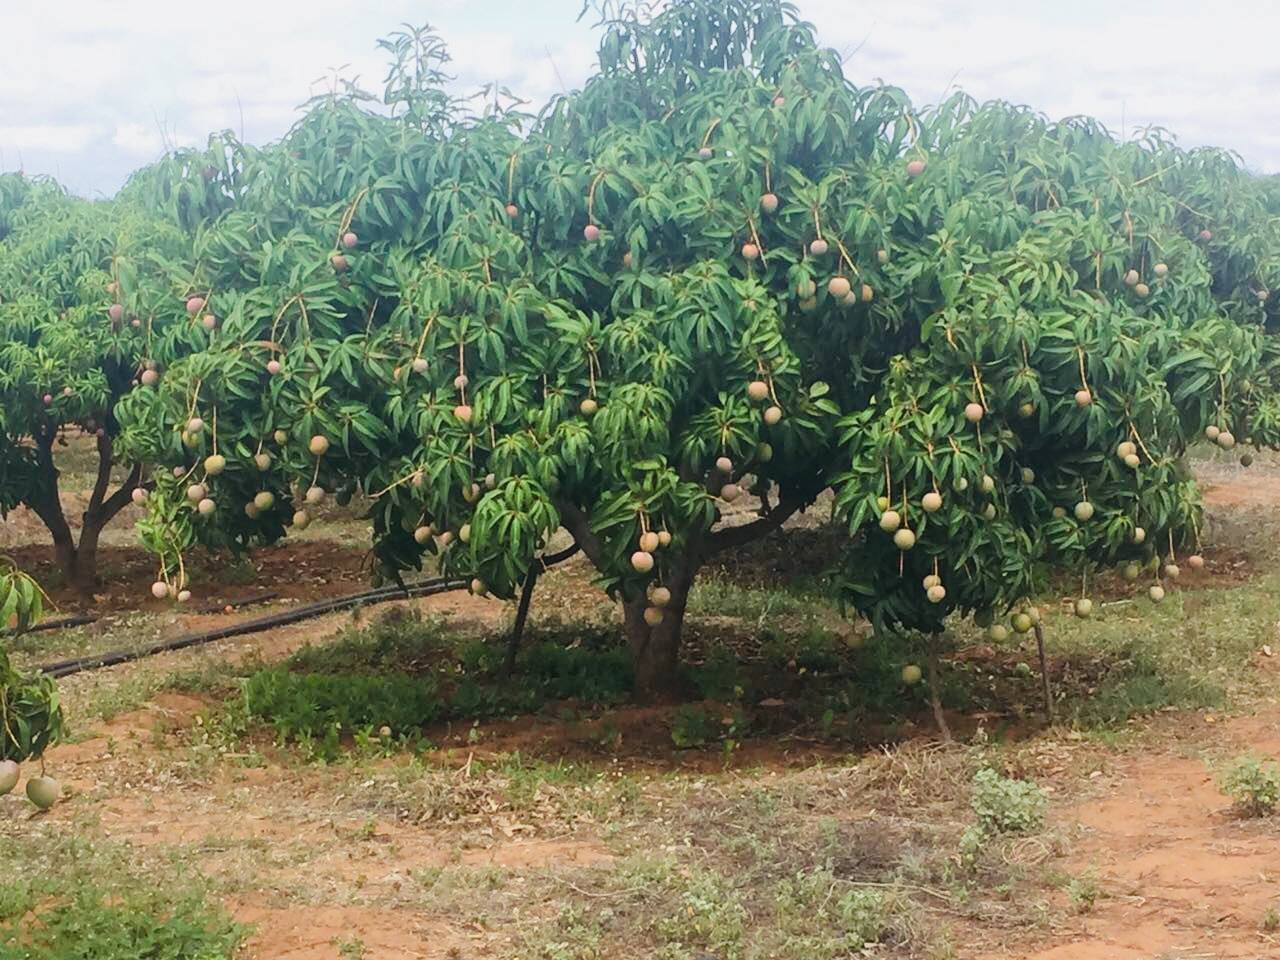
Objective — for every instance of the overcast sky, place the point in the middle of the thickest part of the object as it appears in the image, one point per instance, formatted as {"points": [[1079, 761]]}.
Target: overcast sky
{"points": [[95, 88]]}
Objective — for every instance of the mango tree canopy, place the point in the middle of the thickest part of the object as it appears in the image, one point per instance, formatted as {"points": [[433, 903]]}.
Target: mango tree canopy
{"points": [[719, 266]]}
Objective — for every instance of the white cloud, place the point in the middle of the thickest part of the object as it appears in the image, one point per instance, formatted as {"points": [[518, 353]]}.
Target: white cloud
{"points": [[88, 85], [1198, 69], [148, 143], [53, 138]]}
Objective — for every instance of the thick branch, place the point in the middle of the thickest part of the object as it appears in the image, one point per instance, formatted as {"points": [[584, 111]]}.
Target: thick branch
{"points": [[548, 561], [576, 522], [44, 501], [101, 482], [730, 537], [123, 496]]}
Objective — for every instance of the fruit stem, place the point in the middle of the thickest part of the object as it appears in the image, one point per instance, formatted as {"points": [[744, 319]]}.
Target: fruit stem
{"points": [[1203, 216], [844, 255], [511, 173], [195, 399], [387, 489], [977, 381], [768, 188], [422, 339], [1084, 383], [1153, 176], [912, 129], [591, 196], [349, 216], [462, 367], [1137, 436], [710, 130]]}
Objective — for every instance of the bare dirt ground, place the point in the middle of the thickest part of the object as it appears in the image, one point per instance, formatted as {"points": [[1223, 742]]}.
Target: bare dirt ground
{"points": [[1184, 876]]}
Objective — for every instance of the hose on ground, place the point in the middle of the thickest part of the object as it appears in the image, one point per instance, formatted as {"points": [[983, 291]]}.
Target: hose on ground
{"points": [[423, 588]]}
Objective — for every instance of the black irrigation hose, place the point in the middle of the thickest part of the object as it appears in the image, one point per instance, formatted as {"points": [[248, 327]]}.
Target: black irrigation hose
{"points": [[64, 623], [423, 588]]}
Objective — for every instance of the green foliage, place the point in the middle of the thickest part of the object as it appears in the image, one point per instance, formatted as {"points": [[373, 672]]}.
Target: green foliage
{"points": [[312, 704], [57, 906], [813, 906], [70, 348], [694, 726], [1254, 786], [705, 913], [1084, 892], [21, 599], [1004, 806], [406, 674], [30, 710], [30, 714], [568, 318]]}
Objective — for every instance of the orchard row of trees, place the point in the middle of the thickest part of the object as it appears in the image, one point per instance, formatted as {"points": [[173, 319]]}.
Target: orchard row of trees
{"points": [[720, 267]]}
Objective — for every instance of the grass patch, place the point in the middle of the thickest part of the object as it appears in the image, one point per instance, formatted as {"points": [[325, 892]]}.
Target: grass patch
{"points": [[1193, 651], [71, 898], [401, 674], [406, 674]]}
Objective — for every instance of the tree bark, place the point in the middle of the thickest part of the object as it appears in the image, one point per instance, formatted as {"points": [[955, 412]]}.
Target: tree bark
{"points": [[655, 650], [522, 614], [935, 699], [79, 562], [539, 565], [1046, 683]]}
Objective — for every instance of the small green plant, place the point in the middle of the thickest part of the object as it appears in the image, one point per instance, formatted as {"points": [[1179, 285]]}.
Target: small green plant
{"points": [[1271, 920], [819, 918], [719, 676], [313, 704], [1253, 785], [707, 913], [693, 726], [75, 899], [1084, 892], [1004, 805]]}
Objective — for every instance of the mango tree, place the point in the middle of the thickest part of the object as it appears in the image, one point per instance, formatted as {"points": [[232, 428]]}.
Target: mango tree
{"points": [[719, 269], [78, 331]]}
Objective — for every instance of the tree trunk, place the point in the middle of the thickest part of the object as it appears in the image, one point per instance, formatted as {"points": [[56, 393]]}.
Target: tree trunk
{"points": [[78, 563], [64, 550], [1046, 683], [84, 573], [655, 651]]}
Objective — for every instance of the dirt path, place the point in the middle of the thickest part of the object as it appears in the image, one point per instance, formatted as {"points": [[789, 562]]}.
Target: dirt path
{"points": [[1179, 875]]}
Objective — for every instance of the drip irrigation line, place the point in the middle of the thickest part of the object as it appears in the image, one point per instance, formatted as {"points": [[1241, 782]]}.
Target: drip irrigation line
{"points": [[61, 624], [423, 588]]}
